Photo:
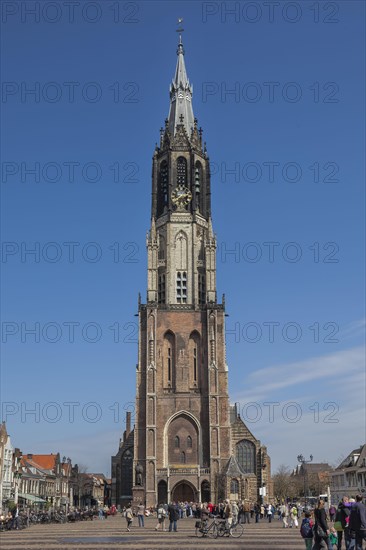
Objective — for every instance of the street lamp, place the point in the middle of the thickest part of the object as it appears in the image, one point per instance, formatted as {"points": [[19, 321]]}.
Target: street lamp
{"points": [[17, 475], [302, 460]]}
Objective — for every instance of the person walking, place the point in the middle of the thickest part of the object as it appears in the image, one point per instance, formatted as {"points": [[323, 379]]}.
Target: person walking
{"points": [[284, 515], [306, 530], [257, 512], [293, 516], [241, 513], [141, 514], [357, 521], [341, 523], [129, 517], [15, 517], [332, 512], [321, 529], [269, 513], [173, 512], [161, 518], [246, 511], [228, 514], [235, 511]]}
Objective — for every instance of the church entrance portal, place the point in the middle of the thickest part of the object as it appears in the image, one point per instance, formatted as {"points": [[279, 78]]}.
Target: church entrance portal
{"points": [[184, 492]]}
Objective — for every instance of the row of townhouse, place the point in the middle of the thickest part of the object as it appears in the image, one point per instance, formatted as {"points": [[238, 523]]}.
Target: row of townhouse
{"points": [[349, 478], [47, 480], [6, 465]]}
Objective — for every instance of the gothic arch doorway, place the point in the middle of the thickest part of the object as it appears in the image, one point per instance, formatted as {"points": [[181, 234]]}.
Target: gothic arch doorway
{"points": [[205, 491], [162, 493], [184, 491]]}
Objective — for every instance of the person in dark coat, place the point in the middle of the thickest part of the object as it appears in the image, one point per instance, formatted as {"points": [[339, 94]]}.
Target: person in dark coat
{"points": [[173, 512], [357, 521], [343, 512], [321, 541]]}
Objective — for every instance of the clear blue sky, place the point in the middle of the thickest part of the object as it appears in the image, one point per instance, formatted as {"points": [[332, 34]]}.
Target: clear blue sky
{"points": [[293, 132]]}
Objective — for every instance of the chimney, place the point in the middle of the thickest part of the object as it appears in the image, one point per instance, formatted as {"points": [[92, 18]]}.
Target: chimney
{"points": [[128, 423]]}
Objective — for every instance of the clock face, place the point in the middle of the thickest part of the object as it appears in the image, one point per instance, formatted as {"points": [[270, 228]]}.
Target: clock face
{"points": [[181, 196]]}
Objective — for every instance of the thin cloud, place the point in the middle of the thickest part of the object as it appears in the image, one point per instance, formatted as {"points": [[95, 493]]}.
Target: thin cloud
{"points": [[339, 364], [352, 330]]}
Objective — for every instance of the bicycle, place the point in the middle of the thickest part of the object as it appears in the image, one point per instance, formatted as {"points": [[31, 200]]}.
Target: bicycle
{"points": [[234, 530], [204, 530]]}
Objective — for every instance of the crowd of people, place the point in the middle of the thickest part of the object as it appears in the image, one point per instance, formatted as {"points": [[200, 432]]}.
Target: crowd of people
{"points": [[326, 529], [321, 529], [233, 511]]}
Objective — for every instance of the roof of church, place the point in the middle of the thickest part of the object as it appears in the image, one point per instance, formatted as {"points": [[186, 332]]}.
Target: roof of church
{"points": [[128, 442], [232, 468], [181, 91]]}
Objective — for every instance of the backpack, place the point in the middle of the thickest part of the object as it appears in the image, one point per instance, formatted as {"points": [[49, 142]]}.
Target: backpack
{"points": [[306, 530]]}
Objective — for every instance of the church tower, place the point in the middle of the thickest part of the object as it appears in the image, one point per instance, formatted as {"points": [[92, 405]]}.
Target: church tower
{"points": [[182, 436], [188, 443]]}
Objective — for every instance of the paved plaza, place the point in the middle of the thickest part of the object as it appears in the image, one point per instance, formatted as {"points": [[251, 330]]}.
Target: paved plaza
{"points": [[111, 534]]}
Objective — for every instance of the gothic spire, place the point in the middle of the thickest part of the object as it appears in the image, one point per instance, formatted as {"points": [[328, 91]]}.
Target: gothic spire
{"points": [[181, 111]]}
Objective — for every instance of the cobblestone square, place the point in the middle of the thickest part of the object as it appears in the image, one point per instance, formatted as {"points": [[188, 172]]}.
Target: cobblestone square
{"points": [[112, 534]]}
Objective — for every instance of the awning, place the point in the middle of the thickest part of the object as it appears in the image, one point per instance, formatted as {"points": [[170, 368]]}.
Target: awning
{"points": [[31, 498]]}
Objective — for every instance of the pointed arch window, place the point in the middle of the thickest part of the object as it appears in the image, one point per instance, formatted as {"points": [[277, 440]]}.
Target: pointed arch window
{"points": [[163, 187], [194, 358], [169, 360], [176, 442], [195, 364], [198, 183], [161, 289], [181, 171], [169, 364], [164, 181], [161, 253], [182, 457], [234, 487], [201, 289], [189, 442], [245, 455]]}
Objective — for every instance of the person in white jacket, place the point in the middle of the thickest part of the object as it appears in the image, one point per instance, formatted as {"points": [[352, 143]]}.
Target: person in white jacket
{"points": [[284, 514]]}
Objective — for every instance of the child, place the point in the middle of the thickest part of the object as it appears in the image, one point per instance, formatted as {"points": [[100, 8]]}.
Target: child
{"points": [[306, 530], [333, 538], [129, 516]]}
